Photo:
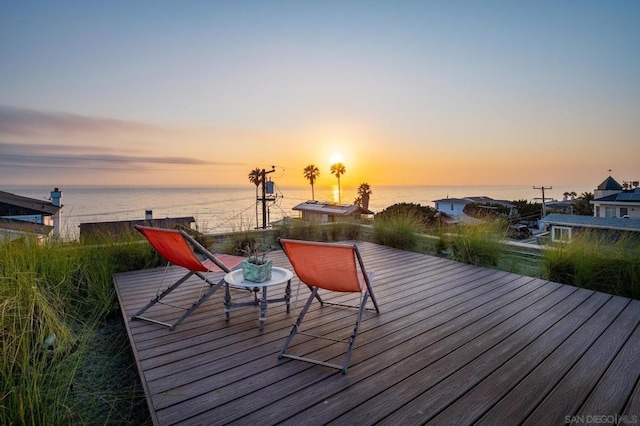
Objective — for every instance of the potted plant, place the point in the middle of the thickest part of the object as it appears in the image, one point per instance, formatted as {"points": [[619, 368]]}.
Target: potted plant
{"points": [[255, 267]]}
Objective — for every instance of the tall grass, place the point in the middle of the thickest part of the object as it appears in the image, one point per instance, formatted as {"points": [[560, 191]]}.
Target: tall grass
{"points": [[398, 230], [593, 261], [477, 244], [53, 298], [314, 231]]}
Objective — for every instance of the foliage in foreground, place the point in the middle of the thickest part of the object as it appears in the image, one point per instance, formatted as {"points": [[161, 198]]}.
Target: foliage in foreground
{"points": [[398, 229], [53, 300], [592, 261], [310, 231], [477, 244]]}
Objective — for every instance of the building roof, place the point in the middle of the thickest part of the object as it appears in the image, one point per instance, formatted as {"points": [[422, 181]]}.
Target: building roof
{"points": [[12, 204], [453, 200], [25, 227], [610, 184], [91, 229], [325, 207], [629, 195], [479, 199], [624, 196], [613, 223]]}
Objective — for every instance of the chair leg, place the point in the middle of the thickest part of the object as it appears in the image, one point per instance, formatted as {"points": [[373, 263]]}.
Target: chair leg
{"points": [[138, 315], [352, 339], [212, 289], [295, 327]]}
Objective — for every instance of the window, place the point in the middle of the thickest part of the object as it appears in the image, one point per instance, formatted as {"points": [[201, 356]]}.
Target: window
{"points": [[624, 211], [561, 234], [610, 212], [597, 211]]}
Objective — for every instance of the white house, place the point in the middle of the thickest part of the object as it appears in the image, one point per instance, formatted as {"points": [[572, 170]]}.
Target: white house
{"points": [[21, 216], [562, 227], [612, 200], [455, 206]]}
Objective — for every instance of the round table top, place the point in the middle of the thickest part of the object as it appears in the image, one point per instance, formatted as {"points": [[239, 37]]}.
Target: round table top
{"points": [[278, 276]]}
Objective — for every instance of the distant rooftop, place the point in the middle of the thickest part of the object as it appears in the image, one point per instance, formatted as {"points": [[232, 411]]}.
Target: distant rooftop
{"points": [[331, 208], [621, 224], [12, 204], [477, 199], [610, 184], [625, 195]]}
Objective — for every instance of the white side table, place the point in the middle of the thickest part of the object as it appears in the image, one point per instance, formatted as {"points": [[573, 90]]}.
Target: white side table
{"points": [[278, 276]]}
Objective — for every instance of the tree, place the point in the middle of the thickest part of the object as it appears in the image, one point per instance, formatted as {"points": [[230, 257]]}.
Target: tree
{"points": [[528, 211], [338, 169], [255, 177], [582, 206], [364, 192], [426, 215], [311, 173]]}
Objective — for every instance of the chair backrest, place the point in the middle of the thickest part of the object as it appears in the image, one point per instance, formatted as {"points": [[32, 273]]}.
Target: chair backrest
{"points": [[329, 266], [172, 245]]}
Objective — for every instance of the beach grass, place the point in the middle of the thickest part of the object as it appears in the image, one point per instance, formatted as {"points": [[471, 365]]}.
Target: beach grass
{"points": [[57, 300], [477, 244], [399, 230], [595, 261]]}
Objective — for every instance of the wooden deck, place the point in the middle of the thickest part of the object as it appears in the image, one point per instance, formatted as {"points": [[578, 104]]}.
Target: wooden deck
{"points": [[453, 343]]}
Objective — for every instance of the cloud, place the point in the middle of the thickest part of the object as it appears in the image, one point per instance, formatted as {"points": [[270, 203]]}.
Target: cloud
{"points": [[32, 155], [26, 122]]}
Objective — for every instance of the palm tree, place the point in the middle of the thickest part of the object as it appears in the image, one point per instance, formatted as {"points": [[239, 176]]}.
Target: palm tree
{"points": [[364, 192], [338, 169], [255, 177], [583, 206], [311, 173]]}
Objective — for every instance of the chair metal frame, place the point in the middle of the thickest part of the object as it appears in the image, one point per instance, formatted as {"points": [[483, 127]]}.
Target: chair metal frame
{"points": [[315, 283], [187, 259]]}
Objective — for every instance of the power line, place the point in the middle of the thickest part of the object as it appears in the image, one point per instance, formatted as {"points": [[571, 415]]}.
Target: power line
{"points": [[544, 209]]}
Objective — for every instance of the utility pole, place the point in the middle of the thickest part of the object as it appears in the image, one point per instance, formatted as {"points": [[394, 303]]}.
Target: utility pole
{"points": [[263, 181], [544, 210]]}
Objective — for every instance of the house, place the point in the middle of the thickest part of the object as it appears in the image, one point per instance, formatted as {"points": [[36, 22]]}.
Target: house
{"points": [[455, 206], [327, 212], [612, 200], [562, 227], [20, 216], [90, 231]]}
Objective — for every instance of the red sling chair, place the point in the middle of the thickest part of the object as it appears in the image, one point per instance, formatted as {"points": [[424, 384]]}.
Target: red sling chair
{"points": [[333, 267], [174, 246]]}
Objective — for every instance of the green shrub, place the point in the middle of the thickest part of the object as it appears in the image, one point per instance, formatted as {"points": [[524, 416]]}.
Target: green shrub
{"points": [[52, 296], [477, 244], [594, 261], [398, 230], [341, 231], [425, 216], [301, 230]]}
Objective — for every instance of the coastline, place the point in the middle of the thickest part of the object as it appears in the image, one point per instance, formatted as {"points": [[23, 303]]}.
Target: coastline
{"points": [[223, 208]]}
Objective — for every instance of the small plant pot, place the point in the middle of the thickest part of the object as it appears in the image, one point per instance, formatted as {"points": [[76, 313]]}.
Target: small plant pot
{"points": [[256, 273]]}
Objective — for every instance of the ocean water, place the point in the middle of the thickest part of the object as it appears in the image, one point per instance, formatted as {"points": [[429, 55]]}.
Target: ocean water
{"points": [[223, 209]]}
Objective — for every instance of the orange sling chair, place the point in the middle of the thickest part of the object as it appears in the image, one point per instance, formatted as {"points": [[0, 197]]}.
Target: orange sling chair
{"points": [[176, 247], [333, 267]]}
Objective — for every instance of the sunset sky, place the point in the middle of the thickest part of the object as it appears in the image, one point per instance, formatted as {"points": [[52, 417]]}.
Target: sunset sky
{"points": [[404, 92]]}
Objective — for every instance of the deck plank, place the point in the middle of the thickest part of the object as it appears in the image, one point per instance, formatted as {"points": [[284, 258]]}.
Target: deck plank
{"points": [[453, 343]]}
